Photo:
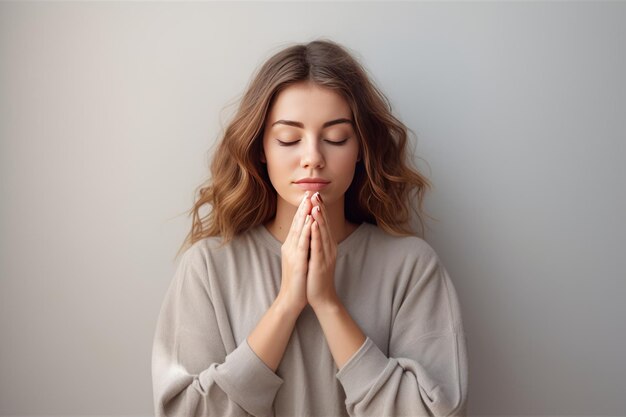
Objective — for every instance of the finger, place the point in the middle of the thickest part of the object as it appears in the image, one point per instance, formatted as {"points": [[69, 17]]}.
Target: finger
{"points": [[316, 199], [298, 220], [316, 244], [303, 242], [317, 203], [325, 236], [306, 211]]}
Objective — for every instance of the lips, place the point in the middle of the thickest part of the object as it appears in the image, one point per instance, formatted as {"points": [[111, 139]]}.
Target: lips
{"points": [[313, 181], [312, 186]]}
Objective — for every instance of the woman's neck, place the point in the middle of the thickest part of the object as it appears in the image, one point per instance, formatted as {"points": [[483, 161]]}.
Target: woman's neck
{"points": [[340, 228]]}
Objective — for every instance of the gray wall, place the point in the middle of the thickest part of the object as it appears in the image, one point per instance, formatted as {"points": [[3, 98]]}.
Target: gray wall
{"points": [[107, 114]]}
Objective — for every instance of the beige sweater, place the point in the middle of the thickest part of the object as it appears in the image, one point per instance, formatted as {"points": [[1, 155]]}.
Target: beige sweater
{"points": [[412, 363]]}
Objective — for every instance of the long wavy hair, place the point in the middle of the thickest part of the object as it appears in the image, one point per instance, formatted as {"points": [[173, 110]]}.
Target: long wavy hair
{"points": [[239, 193]]}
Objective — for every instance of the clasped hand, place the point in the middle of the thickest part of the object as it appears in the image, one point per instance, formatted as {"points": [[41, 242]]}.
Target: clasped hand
{"points": [[309, 254]]}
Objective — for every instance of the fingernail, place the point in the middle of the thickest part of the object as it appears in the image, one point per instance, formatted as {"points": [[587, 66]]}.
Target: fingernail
{"points": [[316, 208], [306, 221], [319, 197]]}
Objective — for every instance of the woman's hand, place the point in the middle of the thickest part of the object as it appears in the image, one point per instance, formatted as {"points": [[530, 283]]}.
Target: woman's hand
{"points": [[320, 282], [294, 251]]}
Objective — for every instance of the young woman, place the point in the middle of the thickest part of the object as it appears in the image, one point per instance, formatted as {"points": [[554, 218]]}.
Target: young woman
{"points": [[303, 292]]}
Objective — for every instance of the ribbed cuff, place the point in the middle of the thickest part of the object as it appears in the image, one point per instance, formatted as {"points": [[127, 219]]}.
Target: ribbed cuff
{"points": [[362, 370], [248, 381]]}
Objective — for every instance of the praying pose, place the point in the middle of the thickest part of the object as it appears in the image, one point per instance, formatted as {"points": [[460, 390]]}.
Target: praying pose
{"points": [[303, 291]]}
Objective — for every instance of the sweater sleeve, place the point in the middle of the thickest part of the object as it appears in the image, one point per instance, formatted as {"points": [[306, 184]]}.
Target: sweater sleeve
{"points": [[426, 371], [192, 373]]}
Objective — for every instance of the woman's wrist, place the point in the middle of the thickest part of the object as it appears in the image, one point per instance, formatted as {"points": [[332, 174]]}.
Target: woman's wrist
{"points": [[330, 303], [286, 308]]}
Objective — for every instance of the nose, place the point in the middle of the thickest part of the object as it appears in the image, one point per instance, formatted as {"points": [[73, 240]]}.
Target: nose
{"points": [[312, 157]]}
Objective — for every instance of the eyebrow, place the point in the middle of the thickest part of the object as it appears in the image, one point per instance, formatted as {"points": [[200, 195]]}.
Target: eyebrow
{"points": [[301, 125]]}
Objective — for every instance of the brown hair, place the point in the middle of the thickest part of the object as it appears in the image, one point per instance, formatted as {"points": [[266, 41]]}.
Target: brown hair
{"points": [[239, 191]]}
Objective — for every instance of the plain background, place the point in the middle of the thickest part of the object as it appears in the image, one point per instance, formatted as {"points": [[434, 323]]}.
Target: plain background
{"points": [[107, 114]]}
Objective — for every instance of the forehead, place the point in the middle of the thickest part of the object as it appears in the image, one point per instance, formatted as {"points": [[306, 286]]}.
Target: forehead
{"points": [[308, 103]]}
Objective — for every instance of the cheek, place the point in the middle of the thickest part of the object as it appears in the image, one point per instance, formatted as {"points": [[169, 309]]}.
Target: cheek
{"points": [[345, 164], [280, 163]]}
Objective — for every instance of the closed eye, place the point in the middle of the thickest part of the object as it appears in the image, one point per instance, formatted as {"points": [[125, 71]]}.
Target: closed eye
{"points": [[341, 142], [283, 143]]}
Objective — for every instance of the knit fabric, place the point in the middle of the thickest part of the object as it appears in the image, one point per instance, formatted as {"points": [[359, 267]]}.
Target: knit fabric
{"points": [[412, 363]]}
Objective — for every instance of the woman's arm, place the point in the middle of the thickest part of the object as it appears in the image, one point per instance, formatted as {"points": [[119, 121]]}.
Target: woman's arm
{"points": [[192, 373], [270, 337], [425, 371]]}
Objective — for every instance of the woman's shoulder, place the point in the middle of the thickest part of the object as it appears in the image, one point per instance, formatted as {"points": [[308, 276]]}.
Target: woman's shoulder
{"points": [[405, 246], [199, 251], [214, 247], [378, 243], [204, 244], [405, 259]]}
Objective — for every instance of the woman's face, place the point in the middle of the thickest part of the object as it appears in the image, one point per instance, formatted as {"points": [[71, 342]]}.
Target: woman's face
{"points": [[309, 134]]}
